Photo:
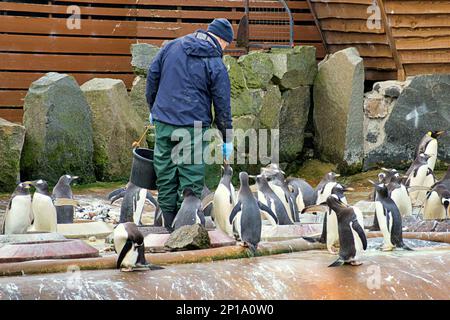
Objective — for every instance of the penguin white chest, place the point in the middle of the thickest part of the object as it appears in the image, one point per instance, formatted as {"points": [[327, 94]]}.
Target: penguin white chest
{"points": [[223, 204], [382, 222], [432, 151], [322, 196], [332, 229], [282, 196], [18, 218], [139, 208], [130, 258], [45, 218], [433, 207], [402, 200]]}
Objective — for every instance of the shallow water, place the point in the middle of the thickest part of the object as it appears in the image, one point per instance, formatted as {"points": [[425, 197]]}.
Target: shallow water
{"points": [[303, 275]]}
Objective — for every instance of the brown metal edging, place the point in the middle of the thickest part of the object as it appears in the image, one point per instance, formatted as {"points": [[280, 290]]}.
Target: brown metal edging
{"points": [[317, 22], [387, 28]]}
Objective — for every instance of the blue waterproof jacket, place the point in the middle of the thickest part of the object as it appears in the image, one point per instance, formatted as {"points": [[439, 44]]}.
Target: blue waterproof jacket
{"points": [[186, 76]]}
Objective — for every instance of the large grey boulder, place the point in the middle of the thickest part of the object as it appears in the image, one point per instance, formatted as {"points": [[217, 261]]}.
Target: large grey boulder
{"points": [[338, 109], [258, 69], [116, 126], [142, 56], [12, 137], [58, 126], [422, 105], [269, 116], [294, 67], [293, 119]]}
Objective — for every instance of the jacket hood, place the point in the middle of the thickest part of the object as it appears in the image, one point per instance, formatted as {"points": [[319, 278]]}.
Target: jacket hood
{"points": [[194, 46]]}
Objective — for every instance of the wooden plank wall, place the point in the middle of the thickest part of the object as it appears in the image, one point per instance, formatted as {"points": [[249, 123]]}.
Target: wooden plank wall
{"points": [[35, 39], [414, 37]]}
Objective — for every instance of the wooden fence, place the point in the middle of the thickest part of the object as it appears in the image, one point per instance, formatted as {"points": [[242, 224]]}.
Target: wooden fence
{"points": [[406, 38], [35, 37]]}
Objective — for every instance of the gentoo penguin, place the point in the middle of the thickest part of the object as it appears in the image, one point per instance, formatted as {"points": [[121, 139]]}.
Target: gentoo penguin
{"points": [[383, 177], [352, 239], [271, 200], [129, 245], [18, 215], [429, 145], [389, 219], [400, 195], [224, 201], [438, 200], [323, 189], [330, 232], [302, 191], [246, 217], [205, 193], [419, 175], [133, 202], [64, 191], [277, 183], [45, 217], [190, 211]]}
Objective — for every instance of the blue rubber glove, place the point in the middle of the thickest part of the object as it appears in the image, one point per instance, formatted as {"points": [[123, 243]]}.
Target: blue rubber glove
{"points": [[227, 148], [150, 119]]}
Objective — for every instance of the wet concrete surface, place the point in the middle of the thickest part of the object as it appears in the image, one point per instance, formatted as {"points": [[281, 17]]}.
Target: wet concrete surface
{"points": [[423, 274]]}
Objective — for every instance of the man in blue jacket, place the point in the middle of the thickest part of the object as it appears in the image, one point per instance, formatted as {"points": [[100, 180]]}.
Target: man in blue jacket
{"points": [[185, 78]]}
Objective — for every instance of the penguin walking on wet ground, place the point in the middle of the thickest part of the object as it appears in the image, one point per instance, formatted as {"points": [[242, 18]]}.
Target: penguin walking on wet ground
{"points": [[224, 200], [400, 195], [352, 239], [18, 215], [190, 211], [133, 202], [389, 219], [271, 200], [246, 217], [62, 190], [129, 245], [429, 145], [45, 216], [438, 200]]}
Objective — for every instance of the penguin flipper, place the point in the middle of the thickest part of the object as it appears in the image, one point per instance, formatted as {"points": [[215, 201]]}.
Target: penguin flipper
{"points": [[115, 193], [234, 212], [314, 208], [118, 196], [360, 231], [157, 222], [265, 208], [339, 262], [311, 239], [201, 216], [152, 200], [127, 247]]}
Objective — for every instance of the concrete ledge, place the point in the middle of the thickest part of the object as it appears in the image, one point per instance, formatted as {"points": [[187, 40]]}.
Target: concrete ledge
{"points": [[428, 236], [99, 229], [195, 256]]}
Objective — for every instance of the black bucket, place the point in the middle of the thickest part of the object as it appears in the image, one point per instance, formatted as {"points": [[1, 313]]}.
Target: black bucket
{"points": [[142, 172]]}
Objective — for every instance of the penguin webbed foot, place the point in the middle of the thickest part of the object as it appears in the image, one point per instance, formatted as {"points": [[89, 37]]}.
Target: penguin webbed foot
{"points": [[333, 250], [128, 269], [355, 263]]}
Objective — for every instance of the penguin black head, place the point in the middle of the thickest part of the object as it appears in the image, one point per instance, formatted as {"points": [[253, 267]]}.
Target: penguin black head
{"points": [[40, 185], [380, 188], [187, 192], [335, 203], [23, 188], [67, 179], [227, 170], [273, 171], [435, 134], [331, 176], [339, 190], [243, 178]]}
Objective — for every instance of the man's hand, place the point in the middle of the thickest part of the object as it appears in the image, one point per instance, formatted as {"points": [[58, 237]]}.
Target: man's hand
{"points": [[227, 148], [150, 119]]}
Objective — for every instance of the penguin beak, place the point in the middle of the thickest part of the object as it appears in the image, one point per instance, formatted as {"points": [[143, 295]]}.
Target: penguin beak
{"points": [[439, 133], [28, 184], [348, 189], [385, 169], [337, 175], [75, 177], [373, 183]]}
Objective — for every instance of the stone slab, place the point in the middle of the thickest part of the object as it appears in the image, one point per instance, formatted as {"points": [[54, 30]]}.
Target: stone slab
{"points": [[99, 229], [30, 237], [286, 232], [63, 249]]}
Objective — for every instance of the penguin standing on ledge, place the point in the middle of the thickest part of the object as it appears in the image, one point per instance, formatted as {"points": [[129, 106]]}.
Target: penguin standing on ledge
{"points": [[437, 204], [190, 211], [224, 200], [45, 216], [63, 190], [246, 217], [18, 215]]}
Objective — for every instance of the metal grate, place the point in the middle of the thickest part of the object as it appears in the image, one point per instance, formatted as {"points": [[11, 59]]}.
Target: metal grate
{"points": [[261, 15]]}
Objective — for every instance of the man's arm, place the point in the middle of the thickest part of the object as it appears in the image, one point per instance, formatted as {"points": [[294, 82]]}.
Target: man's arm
{"points": [[153, 76], [220, 91]]}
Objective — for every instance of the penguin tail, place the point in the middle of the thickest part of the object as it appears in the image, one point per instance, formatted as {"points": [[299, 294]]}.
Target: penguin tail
{"points": [[339, 262], [405, 247], [252, 247]]}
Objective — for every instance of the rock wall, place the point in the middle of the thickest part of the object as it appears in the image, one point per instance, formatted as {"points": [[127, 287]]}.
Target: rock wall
{"points": [[399, 114], [12, 137]]}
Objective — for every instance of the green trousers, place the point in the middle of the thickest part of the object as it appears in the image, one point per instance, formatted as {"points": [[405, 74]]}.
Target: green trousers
{"points": [[178, 164]]}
